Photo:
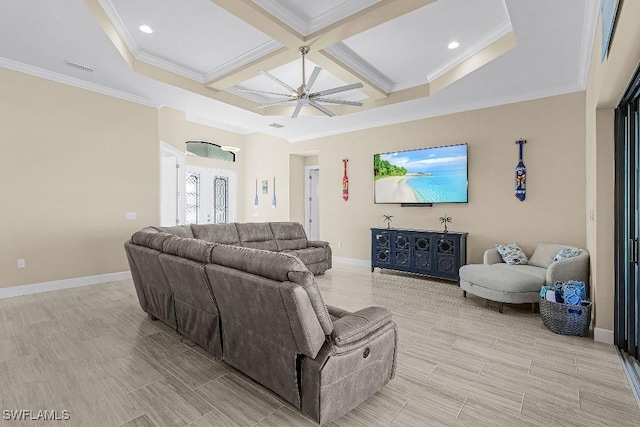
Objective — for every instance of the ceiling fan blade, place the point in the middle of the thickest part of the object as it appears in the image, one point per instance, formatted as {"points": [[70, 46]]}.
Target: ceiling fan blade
{"points": [[321, 108], [280, 82], [312, 80], [281, 101], [338, 101], [296, 111], [336, 90], [264, 92]]}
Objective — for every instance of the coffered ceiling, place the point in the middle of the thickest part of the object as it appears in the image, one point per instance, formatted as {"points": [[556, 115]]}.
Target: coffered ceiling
{"points": [[203, 53]]}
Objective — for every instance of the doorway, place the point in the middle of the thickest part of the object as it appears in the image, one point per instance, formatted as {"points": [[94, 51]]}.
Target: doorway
{"points": [[210, 195], [312, 201], [627, 211], [172, 181]]}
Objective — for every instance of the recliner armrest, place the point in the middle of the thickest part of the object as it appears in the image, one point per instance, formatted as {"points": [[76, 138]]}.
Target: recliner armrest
{"points": [[317, 243], [355, 326]]}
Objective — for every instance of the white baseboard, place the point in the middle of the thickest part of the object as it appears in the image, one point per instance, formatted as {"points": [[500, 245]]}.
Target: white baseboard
{"points": [[603, 335], [352, 261], [35, 288]]}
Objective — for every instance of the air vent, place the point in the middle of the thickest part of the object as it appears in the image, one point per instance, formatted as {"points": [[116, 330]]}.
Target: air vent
{"points": [[276, 125], [80, 66]]}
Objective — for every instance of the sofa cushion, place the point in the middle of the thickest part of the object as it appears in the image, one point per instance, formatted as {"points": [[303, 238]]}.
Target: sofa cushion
{"points": [[512, 254], [178, 230], [566, 254], [150, 238], [272, 265], [544, 253], [289, 235], [309, 255], [532, 270], [503, 278], [257, 236], [193, 249], [218, 233]]}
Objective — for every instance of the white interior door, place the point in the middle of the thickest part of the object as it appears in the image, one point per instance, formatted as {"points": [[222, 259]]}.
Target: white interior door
{"points": [[171, 186], [211, 195], [312, 198]]}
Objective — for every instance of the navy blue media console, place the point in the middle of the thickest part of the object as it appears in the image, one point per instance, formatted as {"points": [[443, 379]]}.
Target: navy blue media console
{"points": [[430, 253]]}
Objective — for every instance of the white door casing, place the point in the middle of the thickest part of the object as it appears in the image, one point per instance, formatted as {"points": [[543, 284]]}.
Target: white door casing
{"points": [[172, 163], [312, 201]]}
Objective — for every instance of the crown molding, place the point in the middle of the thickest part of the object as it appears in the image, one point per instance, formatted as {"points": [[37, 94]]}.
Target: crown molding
{"points": [[484, 41], [334, 15], [348, 57], [72, 81], [216, 124], [284, 15], [327, 18], [118, 23], [244, 59], [170, 66], [425, 114], [591, 12]]}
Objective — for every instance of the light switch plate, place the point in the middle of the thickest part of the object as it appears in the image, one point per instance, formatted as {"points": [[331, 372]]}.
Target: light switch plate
{"points": [[130, 215]]}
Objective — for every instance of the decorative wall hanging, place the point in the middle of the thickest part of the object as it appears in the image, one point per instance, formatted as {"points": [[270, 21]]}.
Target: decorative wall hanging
{"points": [[521, 174], [345, 181], [255, 200], [273, 199], [265, 187]]}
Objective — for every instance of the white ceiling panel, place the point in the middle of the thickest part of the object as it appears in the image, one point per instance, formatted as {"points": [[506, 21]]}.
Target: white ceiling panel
{"points": [[413, 47], [308, 16], [194, 34]]}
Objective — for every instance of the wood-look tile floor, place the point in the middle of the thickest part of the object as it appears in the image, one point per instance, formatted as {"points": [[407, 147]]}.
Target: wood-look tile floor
{"points": [[93, 352]]}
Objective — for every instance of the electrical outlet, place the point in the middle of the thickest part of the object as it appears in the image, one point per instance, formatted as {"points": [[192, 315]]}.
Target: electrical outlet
{"points": [[339, 244], [22, 263]]}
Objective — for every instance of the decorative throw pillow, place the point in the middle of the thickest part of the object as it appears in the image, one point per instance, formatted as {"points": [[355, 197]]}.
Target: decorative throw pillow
{"points": [[512, 254], [566, 254]]}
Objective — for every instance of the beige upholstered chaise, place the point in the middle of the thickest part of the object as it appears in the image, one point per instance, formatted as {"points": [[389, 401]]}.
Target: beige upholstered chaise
{"points": [[520, 284]]}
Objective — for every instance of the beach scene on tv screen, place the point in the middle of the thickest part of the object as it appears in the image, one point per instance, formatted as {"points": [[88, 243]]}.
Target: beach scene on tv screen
{"points": [[430, 175]]}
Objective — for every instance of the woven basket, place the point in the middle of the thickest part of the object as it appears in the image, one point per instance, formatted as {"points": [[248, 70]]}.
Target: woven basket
{"points": [[566, 319]]}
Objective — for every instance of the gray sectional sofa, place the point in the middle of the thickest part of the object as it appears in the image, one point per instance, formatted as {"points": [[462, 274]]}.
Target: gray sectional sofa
{"points": [[261, 312], [287, 237]]}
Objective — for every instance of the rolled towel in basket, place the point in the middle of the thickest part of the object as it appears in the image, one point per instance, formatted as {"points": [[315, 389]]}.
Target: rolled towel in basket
{"points": [[573, 292]]}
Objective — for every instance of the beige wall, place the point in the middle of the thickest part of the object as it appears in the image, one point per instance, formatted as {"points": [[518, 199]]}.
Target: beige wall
{"points": [[73, 162], [296, 187], [554, 155], [266, 157], [606, 84]]}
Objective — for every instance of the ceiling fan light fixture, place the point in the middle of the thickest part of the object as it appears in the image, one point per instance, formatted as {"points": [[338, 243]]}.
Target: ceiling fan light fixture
{"points": [[303, 96], [453, 45]]}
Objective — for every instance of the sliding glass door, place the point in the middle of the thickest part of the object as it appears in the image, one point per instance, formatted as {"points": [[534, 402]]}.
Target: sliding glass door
{"points": [[627, 299]]}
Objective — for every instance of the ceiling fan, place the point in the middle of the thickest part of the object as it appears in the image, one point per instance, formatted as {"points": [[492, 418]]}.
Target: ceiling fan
{"points": [[304, 95]]}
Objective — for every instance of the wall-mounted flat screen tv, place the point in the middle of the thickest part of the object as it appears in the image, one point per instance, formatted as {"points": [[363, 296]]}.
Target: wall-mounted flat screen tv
{"points": [[427, 175]]}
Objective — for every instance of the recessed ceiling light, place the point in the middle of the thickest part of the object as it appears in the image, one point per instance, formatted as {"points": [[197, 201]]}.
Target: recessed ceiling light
{"points": [[230, 148], [453, 45], [145, 29]]}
